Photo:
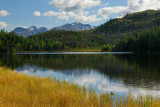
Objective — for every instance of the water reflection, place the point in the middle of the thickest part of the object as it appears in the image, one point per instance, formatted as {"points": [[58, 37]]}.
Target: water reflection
{"points": [[121, 74]]}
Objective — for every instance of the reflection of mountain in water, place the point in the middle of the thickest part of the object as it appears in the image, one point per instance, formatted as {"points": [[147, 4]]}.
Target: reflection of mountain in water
{"points": [[137, 71]]}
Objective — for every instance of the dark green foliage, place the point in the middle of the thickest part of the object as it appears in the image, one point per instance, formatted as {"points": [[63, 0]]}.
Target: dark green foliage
{"points": [[126, 33], [107, 47], [9, 42], [130, 24], [131, 67], [126, 45], [73, 39], [49, 41], [146, 41]]}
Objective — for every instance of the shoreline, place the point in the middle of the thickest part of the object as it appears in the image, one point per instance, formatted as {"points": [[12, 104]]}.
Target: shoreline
{"points": [[23, 90]]}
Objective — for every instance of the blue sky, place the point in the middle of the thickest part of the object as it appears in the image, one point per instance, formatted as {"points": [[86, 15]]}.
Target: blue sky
{"points": [[51, 13]]}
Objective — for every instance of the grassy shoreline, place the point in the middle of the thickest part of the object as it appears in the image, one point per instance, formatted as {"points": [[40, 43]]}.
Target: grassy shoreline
{"points": [[66, 50], [22, 90]]}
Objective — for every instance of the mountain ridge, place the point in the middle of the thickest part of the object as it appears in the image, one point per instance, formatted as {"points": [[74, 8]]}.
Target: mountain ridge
{"points": [[21, 31], [130, 23], [33, 30], [74, 27]]}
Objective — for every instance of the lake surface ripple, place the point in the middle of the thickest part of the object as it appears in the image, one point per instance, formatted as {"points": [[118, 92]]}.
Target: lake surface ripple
{"points": [[120, 73]]}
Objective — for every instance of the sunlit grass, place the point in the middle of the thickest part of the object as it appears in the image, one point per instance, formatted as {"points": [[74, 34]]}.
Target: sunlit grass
{"points": [[22, 90], [90, 49], [87, 50]]}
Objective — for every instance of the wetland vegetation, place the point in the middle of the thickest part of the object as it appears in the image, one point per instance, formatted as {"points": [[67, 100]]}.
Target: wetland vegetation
{"points": [[22, 90]]}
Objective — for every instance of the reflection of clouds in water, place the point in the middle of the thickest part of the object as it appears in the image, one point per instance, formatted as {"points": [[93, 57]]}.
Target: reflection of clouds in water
{"points": [[85, 80], [143, 92], [111, 88], [90, 79]]}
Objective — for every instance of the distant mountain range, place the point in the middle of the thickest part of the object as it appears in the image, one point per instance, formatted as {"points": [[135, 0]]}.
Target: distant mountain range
{"points": [[74, 27], [67, 27], [29, 31]]}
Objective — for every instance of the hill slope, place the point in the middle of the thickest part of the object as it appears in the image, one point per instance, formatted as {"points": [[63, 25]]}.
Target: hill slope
{"points": [[131, 23], [72, 39]]}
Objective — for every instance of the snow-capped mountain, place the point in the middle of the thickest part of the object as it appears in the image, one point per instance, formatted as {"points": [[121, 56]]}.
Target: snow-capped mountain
{"points": [[74, 27], [29, 31], [26, 32]]}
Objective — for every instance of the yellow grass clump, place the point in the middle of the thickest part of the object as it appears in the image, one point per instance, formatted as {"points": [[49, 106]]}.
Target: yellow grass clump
{"points": [[22, 90]]}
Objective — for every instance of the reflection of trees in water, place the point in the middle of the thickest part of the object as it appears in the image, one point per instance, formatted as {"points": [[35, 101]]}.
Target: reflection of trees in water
{"points": [[11, 61], [131, 68], [141, 70]]}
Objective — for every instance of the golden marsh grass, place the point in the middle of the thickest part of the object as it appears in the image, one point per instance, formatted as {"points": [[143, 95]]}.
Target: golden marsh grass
{"points": [[19, 90]]}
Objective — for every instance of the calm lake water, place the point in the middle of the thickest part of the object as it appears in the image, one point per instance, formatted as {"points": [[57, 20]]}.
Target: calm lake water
{"points": [[120, 73]]}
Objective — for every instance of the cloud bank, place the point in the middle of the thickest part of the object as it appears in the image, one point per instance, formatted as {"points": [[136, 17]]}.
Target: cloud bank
{"points": [[81, 17], [133, 6], [72, 9], [76, 9], [74, 5]]}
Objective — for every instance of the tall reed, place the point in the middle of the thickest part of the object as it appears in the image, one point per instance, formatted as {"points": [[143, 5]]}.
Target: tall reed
{"points": [[22, 90]]}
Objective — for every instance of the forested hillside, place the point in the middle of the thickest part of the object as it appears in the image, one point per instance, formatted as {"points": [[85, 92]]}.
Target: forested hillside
{"points": [[147, 41], [72, 39], [131, 23], [138, 32], [9, 42], [49, 41]]}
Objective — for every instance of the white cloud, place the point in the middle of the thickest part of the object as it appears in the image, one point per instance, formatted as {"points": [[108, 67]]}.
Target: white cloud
{"points": [[106, 4], [133, 6], [86, 19], [81, 17], [36, 13], [60, 15], [74, 5], [83, 13], [141, 5], [119, 10], [23, 27], [4, 13], [50, 13], [3, 25], [75, 9]]}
